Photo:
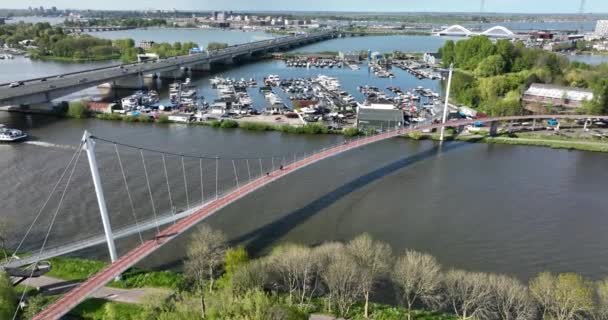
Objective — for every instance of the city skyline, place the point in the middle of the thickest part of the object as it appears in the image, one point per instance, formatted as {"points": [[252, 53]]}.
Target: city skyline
{"points": [[497, 6]]}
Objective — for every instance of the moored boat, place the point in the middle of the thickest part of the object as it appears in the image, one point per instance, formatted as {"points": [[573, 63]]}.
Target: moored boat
{"points": [[11, 135]]}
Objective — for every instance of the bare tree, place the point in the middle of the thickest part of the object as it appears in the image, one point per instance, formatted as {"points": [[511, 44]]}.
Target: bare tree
{"points": [[297, 269], [601, 292], [418, 277], [510, 298], [373, 258], [563, 297], [251, 276], [324, 256], [468, 293], [343, 279], [205, 255]]}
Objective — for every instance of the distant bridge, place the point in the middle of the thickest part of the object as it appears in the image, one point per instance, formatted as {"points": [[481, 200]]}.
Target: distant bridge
{"points": [[94, 29], [494, 32], [46, 89]]}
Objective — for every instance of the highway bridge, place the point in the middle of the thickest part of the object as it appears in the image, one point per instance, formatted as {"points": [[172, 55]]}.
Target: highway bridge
{"points": [[44, 90], [81, 29]]}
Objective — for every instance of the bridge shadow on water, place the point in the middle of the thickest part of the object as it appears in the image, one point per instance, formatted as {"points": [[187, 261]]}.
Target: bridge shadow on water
{"points": [[265, 236]]}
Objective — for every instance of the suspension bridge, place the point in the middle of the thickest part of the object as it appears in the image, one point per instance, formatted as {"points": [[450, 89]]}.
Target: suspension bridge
{"points": [[267, 170]]}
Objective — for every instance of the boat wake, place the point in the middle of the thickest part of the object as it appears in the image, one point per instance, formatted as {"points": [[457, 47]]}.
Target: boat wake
{"points": [[51, 145]]}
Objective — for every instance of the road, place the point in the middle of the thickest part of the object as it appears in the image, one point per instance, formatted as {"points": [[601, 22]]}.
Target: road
{"points": [[54, 286]]}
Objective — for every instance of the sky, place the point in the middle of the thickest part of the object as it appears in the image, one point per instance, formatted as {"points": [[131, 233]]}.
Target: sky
{"points": [[509, 6]]}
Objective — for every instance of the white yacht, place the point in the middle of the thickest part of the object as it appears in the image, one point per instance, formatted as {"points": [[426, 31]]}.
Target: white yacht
{"points": [[275, 104], [11, 135]]}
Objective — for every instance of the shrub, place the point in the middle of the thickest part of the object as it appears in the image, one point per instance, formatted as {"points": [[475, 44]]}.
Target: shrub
{"points": [[8, 297], [163, 118], [109, 116], [351, 132], [216, 124], [144, 118], [78, 110], [256, 126], [229, 124], [130, 118]]}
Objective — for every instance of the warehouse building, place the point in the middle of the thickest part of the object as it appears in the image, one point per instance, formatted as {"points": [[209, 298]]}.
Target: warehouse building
{"points": [[379, 117], [544, 98]]}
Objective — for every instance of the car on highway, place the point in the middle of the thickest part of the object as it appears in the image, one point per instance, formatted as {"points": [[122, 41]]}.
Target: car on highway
{"points": [[82, 80], [43, 80], [14, 84]]}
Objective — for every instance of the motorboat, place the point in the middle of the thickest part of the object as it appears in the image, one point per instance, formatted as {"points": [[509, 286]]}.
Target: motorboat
{"points": [[11, 135]]}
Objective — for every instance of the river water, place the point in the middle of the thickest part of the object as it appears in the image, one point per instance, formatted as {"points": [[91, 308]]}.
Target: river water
{"points": [[510, 209]]}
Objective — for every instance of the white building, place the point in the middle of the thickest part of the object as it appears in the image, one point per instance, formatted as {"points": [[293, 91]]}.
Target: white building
{"points": [[601, 28]]}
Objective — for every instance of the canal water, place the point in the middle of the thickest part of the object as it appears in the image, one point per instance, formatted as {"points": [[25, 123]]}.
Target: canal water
{"points": [[511, 209], [498, 208]]}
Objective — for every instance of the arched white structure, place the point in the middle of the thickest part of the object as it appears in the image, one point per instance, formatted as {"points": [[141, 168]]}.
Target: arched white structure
{"points": [[455, 30], [498, 31], [494, 32]]}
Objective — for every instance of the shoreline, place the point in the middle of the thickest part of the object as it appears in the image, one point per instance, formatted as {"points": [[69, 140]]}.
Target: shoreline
{"points": [[316, 129], [564, 144]]}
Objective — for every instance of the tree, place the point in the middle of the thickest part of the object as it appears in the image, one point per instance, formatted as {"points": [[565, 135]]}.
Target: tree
{"points": [[205, 254], [510, 299], [8, 297], [251, 276], [373, 258], [448, 54], [418, 277], [77, 109], [297, 269], [342, 278], [562, 297], [324, 256], [468, 293], [491, 66], [216, 46], [234, 259]]}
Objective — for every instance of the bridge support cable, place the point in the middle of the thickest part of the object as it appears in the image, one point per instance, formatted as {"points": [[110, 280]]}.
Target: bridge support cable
{"points": [[217, 168], [248, 171], [124, 179], [261, 168], [46, 202], [200, 164], [171, 206], [185, 184], [236, 176], [52, 223], [143, 162]]}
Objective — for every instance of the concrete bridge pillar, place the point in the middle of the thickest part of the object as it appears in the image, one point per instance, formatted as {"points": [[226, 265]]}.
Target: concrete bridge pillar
{"points": [[136, 82], [203, 67], [494, 128], [172, 75]]}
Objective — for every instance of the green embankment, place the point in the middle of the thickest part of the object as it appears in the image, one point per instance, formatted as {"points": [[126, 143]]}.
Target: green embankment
{"points": [[554, 142]]}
